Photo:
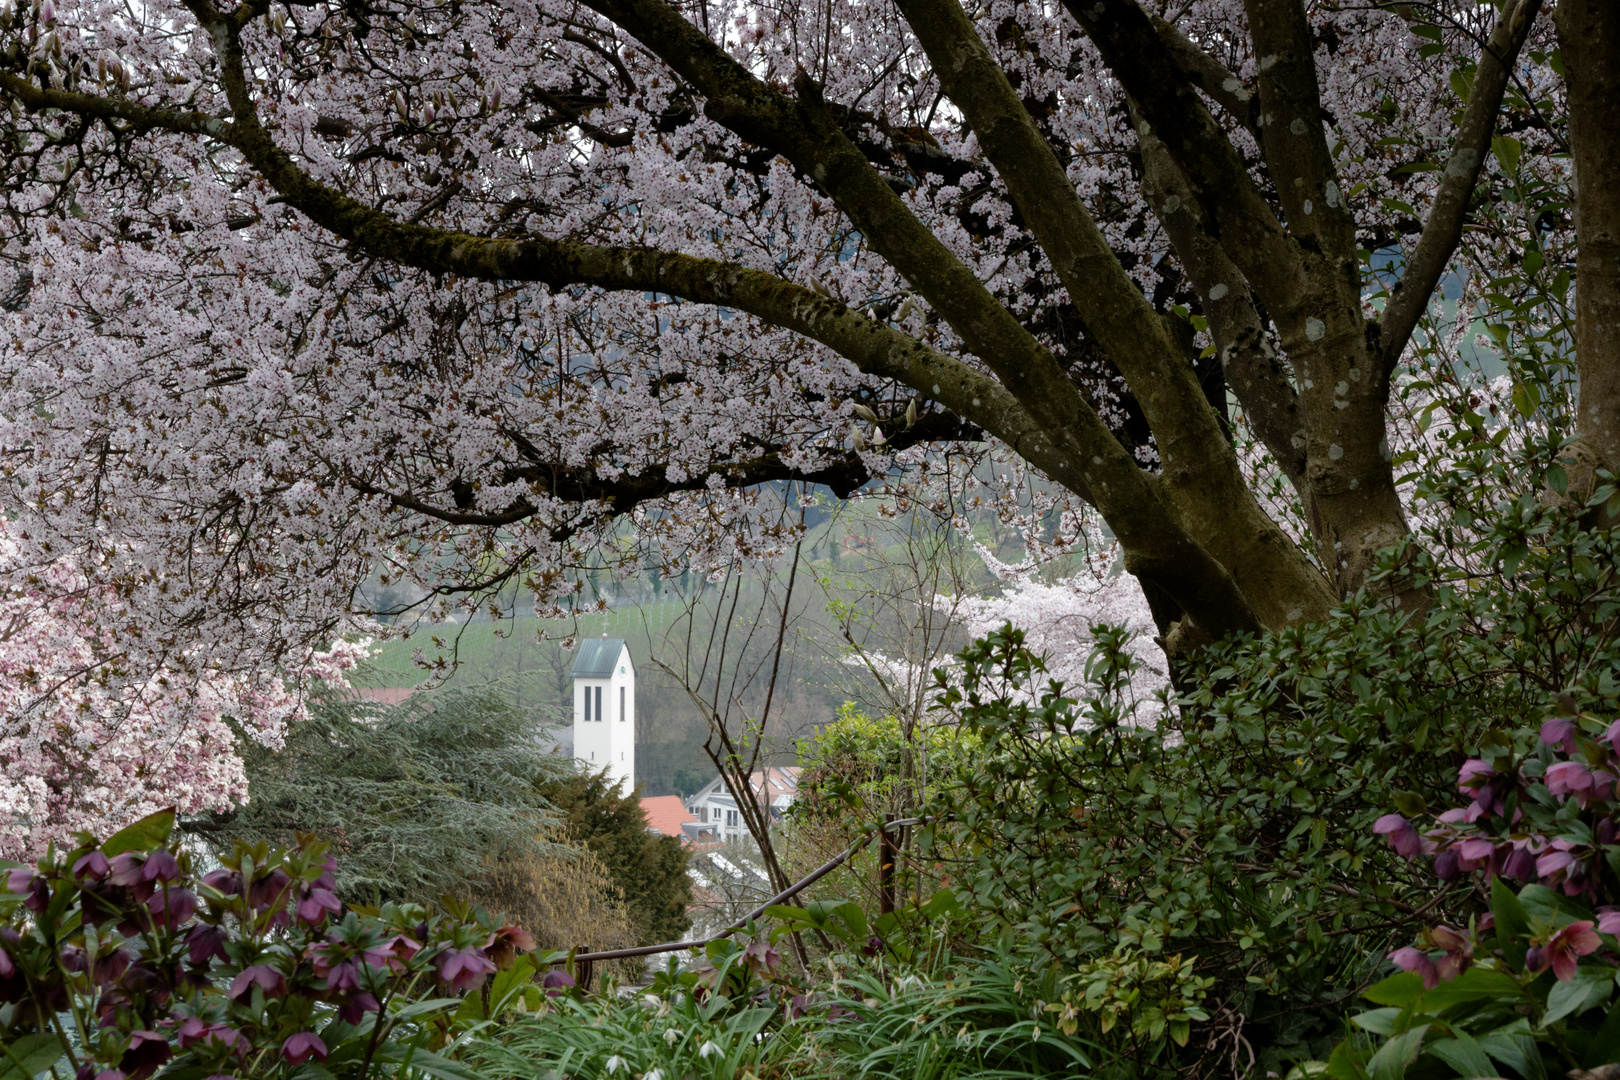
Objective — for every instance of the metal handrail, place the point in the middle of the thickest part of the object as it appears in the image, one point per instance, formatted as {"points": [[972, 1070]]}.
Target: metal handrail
{"points": [[786, 894]]}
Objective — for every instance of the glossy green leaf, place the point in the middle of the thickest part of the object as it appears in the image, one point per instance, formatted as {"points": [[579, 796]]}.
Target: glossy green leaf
{"points": [[147, 834]]}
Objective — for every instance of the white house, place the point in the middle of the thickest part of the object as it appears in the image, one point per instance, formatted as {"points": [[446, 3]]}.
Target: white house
{"points": [[605, 709], [712, 806]]}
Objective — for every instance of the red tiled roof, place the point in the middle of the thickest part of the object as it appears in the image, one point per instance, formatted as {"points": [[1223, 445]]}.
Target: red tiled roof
{"points": [[665, 813]]}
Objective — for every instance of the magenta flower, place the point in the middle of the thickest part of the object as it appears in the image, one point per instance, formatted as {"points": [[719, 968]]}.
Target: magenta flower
{"points": [[1405, 839], [93, 866], [147, 1050], [504, 945], [1559, 731], [1568, 778], [463, 969], [1568, 945], [172, 906], [1473, 773], [110, 967], [225, 881], [342, 978], [301, 1047], [1519, 864], [1613, 735], [204, 940], [316, 904], [1608, 922], [353, 1010], [1459, 949], [1552, 861], [557, 983], [267, 978], [270, 891], [25, 881], [1416, 960]]}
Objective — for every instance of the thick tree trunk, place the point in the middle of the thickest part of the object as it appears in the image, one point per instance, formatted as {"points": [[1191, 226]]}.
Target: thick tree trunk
{"points": [[1589, 37]]}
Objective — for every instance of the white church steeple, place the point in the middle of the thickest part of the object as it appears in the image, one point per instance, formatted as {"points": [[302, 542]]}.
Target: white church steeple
{"points": [[605, 709]]}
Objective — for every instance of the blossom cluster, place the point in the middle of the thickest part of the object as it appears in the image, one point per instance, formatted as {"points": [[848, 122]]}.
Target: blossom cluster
{"points": [[1546, 817], [146, 962], [97, 734]]}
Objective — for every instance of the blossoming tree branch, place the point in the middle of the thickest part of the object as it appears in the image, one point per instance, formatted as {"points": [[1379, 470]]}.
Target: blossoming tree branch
{"points": [[449, 286]]}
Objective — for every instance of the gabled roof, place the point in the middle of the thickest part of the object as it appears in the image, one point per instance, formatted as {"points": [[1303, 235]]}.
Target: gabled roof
{"points": [[665, 814], [597, 656]]}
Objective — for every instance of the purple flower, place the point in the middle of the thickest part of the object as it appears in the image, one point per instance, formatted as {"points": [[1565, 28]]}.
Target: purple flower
{"points": [[1559, 731], [557, 983], [1568, 945], [271, 981], [301, 1047], [353, 1010], [315, 904], [146, 1051], [1608, 922], [463, 969], [1613, 735], [1405, 839], [761, 957], [47, 12], [1520, 863], [173, 906], [1410, 959], [1445, 866], [160, 868], [1551, 862], [342, 978], [1473, 773], [504, 945], [110, 967], [24, 880], [93, 866], [125, 869], [225, 881], [1459, 949], [205, 940], [269, 891], [1568, 777]]}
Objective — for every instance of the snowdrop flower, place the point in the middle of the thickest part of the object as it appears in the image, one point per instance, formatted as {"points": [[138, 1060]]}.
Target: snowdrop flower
{"points": [[656, 1074], [615, 1063], [708, 1048], [671, 1036]]}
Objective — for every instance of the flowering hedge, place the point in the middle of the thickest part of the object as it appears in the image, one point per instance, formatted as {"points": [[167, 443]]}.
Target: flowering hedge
{"points": [[120, 959]]}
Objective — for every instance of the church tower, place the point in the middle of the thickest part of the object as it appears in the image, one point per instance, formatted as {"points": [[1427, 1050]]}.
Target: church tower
{"points": [[605, 709]]}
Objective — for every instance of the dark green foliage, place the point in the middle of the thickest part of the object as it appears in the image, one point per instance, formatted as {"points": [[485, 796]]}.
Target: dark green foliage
{"points": [[412, 798], [1238, 827], [648, 868]]}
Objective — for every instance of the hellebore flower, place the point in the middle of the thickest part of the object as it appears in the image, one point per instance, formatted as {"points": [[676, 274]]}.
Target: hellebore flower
{"points": [[1519, 864], [1445, 866], [93, 866], [1402, 836], [173, 906], [146, 1051], [1613, 735], [355, 1008], [556, 983], [505, 943], [224, 880], [342, 978], [273, 982], [761, 957], [1459, 952], [74, 959], [1552, 861], [1568, 945], [160, 868], [1416, 960], [1473, 773], [204, 940], [125, 868], [1608, 922], [110, 967], [25, 881], [1474, 851], [269, 891], [315, 904], [463, 969], [1559, 731], [301, 1047], [1568, 778]]}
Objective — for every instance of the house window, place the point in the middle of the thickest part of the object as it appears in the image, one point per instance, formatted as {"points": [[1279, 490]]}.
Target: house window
{"points": [[587, 704], [621, 704], [731, 819], [599, 703]]}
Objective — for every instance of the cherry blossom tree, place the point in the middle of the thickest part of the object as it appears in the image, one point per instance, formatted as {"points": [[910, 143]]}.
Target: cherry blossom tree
{"points": [[86, 746], [456, 288]]}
